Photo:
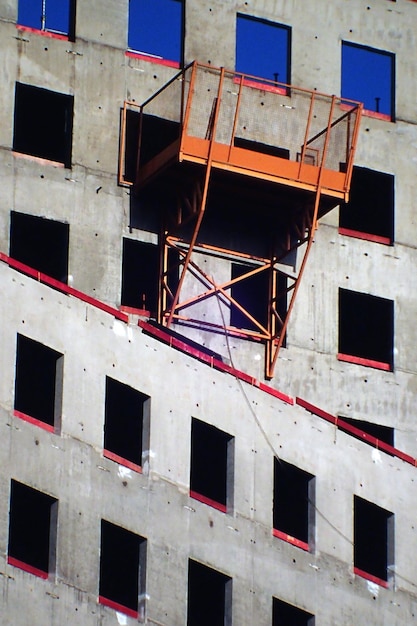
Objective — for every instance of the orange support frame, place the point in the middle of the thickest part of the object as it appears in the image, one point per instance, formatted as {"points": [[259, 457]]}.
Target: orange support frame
{"points": [[214, 106]]}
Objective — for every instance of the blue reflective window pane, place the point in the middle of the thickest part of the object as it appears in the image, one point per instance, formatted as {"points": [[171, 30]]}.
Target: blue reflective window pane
{"points": [[155, 27], [262, 49], [367, 76], [30, 13], [57, 15]]}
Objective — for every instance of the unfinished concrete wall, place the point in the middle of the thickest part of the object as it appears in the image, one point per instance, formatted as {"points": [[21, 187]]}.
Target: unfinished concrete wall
{"points": [[70, 466]]}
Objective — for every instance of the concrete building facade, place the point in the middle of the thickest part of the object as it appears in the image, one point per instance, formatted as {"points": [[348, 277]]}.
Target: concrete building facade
{"points": [[152, 470]]}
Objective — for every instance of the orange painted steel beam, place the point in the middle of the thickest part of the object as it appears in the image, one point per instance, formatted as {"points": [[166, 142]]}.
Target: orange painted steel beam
{"points": [[313, 172]]}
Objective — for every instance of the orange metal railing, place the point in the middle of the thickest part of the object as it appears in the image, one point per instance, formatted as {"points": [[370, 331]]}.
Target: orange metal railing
{"points": [[258, 123]]}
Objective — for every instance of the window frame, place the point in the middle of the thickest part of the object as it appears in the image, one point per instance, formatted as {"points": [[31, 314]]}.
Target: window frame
{"points": [[217, 578], [226, 472], [359, 179], [306, 542], [362, 359], [389, 547], [153, 57], [144, 426], [43, 29], [255, 80], [295, 610], [50, 506], [57, 385], [31, 148], [138, 562], [390, 117]]}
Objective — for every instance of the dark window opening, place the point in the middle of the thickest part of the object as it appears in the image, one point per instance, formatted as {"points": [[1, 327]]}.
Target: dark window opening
{"points": [[383, 433], [140, 275], [368, 76], [263, 49], [32, 529], [156, 134], [373, 539], [293, 508], [262, 148], [371, 204], [211, 474], [284, 614], [156, 28], [252, 294], [122, 567], [40, 243], [54, 16], [38, 383], [43, 123], [209, 596], [366, 326], [126, 422]]}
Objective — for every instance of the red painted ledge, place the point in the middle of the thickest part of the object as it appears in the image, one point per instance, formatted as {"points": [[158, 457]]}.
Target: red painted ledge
{"points": [[358, 234], [386, 117], [34, 420], [44, 33], [63, 287], [152, 59], [357, 432], [122, 461], [27, 568], [213, 503], [374, 579], [289, 539], [183, 346], [358, 360], [118, 607], [258, 84]]}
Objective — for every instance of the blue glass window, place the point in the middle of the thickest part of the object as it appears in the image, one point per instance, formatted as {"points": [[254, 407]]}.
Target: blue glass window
{"points": [[368, 76], [263, 49], [50, 15], [156, 28]]}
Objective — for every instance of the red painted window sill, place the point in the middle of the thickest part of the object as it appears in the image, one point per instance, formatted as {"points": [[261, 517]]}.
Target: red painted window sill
{"points": [[216, 505], [358, 234], [289, 539], [122, 461], [27, 568], [33, 420], [258, 84], [386, 117], [118, 607], [41, 160], [152, 59], [370, 577], [44, 33], [130, 310], [379, 365]]}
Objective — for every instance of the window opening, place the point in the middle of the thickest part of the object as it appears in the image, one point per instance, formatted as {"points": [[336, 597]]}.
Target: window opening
{"points": [[156, 29], [369, 214], [293, 507], [251, 293], [32, 530], [209, 596], [366, 329], [140, 275], [373, 541], [53, 16], [122, 569], [263, 49], [38, 383], [284, 614], [126, 423], [43, 123], [40, 243], [383, 433], [368, 76], [212, 461]]}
